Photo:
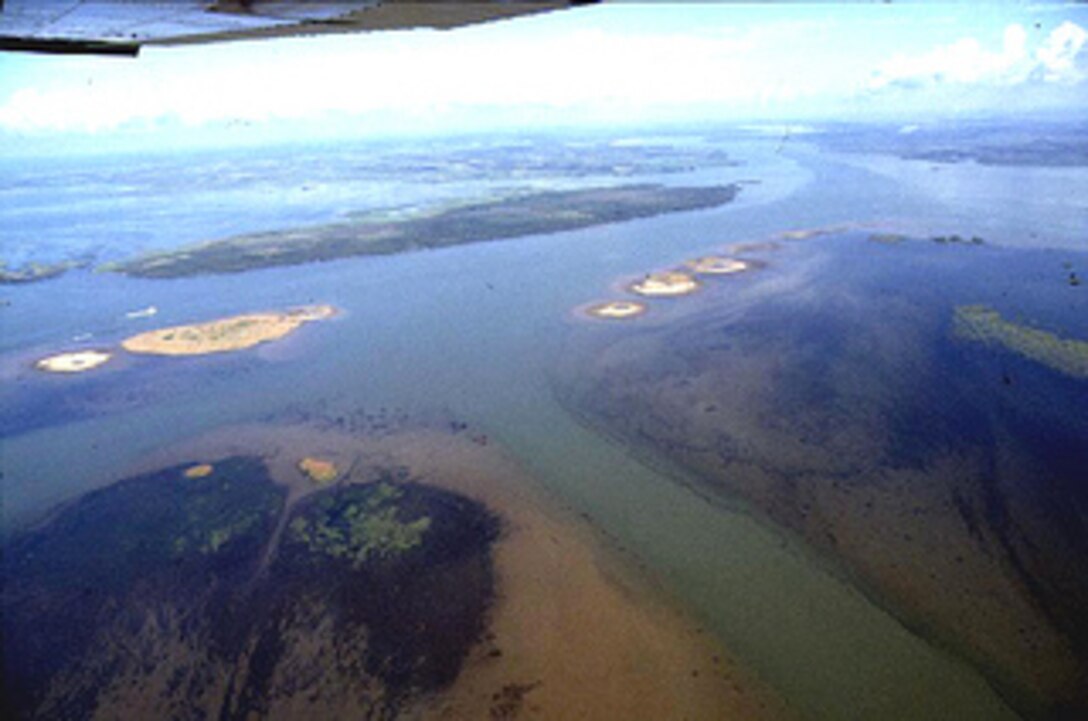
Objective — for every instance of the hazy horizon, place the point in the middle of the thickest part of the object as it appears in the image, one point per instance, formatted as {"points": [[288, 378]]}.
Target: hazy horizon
{"points": [[611, 66]]}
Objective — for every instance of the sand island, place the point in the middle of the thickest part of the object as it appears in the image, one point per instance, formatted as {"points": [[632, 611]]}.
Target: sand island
{"points": [[616, 309], [665, 284], [718, 265], [319, 470], [227, 334], [379, 234], [73, 362], [200, 470]]}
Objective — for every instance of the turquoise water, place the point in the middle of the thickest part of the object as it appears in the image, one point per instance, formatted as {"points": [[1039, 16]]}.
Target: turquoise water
{"points": [[473, 333]]}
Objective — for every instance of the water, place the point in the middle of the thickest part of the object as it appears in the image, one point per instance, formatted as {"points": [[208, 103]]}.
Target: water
{"points": [[473, 332]]}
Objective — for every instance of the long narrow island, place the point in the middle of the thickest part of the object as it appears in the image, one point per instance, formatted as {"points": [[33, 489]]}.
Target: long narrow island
{"points": [[536, 213]]}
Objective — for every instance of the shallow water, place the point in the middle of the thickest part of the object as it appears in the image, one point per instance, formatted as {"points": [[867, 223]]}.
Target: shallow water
{"points": [[474, 333], [830, 390]]}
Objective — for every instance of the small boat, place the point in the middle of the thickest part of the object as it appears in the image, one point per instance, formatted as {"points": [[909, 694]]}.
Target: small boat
{"points": [[144, 313]]}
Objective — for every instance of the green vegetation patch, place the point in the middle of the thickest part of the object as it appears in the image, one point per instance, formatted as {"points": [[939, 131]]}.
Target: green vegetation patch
{"points": [[983, 324], [224, 506], [363, 523]]}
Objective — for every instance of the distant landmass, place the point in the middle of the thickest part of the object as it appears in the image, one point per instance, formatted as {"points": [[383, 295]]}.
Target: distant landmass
{"points": [[532, 214], [32, 272], [1053, 153], [1050, 144]]}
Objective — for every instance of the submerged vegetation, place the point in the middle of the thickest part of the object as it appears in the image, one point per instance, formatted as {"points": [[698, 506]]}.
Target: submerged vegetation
{"points": [[145, 593], [983, 324], [359, 525], [845, 414]]}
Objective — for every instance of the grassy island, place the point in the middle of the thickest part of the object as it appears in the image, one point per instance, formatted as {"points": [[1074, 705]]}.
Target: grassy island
{"points": [[33, 272], [536, 213]]}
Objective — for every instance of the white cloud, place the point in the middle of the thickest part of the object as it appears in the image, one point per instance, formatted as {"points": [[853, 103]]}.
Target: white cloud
{"points": [[1060, 58], [550, 67], [579, 70], [1063, 58]]}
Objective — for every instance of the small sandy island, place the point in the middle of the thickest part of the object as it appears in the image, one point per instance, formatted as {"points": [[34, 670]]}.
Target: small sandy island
{"points": [[319, 470], [718, 265], [226, 334], [665, 284], [200, 470], [615, 309], [73, 362]]}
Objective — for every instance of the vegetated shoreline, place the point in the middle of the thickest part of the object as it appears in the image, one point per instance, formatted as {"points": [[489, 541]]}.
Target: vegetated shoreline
{"points": [[536, 213]]}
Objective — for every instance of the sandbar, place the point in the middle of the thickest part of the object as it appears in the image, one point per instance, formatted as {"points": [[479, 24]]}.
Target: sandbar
{"points": [[616, 309], [319, 470], [665, 284], [718, 265], [73, 362], [226, 334], [200, 470]]}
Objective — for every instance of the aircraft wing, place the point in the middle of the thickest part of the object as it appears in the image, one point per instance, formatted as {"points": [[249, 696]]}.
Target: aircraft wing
{"points": [[122, 27]]}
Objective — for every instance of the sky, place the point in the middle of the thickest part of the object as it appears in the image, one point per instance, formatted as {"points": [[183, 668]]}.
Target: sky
{"points": [[608, 65]]}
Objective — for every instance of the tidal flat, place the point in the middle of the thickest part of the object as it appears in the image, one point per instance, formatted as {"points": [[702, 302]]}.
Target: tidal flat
{"points": [[835, 394], [432, 580]]}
